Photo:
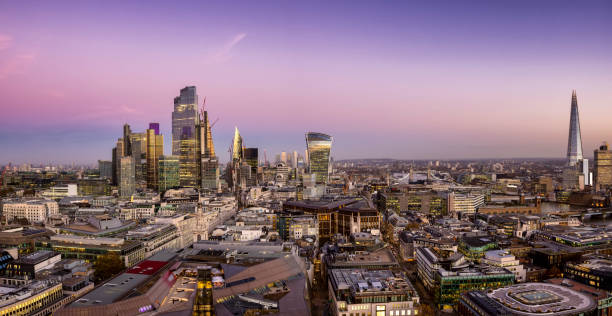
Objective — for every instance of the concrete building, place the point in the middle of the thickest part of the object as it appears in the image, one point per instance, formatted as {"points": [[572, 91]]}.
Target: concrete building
{"points": [[156, 237], [135, 212], [527, 299], [185, 225], [371, 292], [61, 191], [37, 298], [503, 259], [29, 266], [35, 211], [464, 203]]}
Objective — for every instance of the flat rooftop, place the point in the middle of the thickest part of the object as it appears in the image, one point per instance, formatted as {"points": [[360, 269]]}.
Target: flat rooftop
{"points": [[542, 298]]}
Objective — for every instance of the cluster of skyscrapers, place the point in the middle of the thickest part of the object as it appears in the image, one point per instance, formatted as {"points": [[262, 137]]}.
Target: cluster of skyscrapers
{"points": [[138, 160]]}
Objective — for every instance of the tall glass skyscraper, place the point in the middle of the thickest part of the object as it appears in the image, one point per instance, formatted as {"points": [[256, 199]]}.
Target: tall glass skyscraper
{"points": [[155, 149], [185, 115], [126, 182], [574, 141], [188, 159], [237, 150], [251, 157], [318, 149]]}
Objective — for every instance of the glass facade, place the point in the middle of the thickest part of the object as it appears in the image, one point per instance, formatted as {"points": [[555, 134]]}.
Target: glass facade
{"points": [[188, 161], [319, 148], [574, 141], [168, 173], [155, 148], [127, 177], [184, 116], [237, 151], [451, 287]]}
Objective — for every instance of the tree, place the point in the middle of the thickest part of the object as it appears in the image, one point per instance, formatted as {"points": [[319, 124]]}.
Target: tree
{"points": [[427, 310], [107, 265]]}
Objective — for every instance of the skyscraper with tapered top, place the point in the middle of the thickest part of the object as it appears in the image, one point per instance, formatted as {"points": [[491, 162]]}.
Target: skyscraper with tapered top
{"points": [[576, 175], [574, 141]]}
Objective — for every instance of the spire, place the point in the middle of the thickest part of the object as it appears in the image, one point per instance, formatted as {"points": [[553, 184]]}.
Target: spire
{"points": [[574, 141]]}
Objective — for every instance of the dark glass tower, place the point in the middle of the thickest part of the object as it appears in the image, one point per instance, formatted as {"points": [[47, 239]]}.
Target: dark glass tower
{"points": [[574, 141], [184, 116]]}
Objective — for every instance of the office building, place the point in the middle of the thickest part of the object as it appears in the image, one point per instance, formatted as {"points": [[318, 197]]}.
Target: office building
{"points": [[251, 157], [603, 167], [35, 298], [138, 147], [105, 168], [595, 272], [371, 292], [118, 152], [528, 299], [504, 259], [168, 170], [89, 249], [155, 149], [464, 203], [189, 161], [28, 267], [34, 211], [450, 284], [318, 152], [156, 237], [184, 116], [574, 141], [237, 146], [61, 191], [127, 180]]}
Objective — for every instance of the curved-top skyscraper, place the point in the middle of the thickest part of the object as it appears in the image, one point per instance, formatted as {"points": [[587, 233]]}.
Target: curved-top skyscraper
{"points": [[574, 141], [318, 148]]}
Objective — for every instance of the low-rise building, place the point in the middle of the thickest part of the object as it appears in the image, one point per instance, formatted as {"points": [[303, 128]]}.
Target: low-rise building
{"points": [[155, 238], [27, 267], [35, 211], [371, 292], [185, 224], [135, 212], [527, 299], [595, 272], [452, 283], [89, 249], [503, 259], [37, 298]]}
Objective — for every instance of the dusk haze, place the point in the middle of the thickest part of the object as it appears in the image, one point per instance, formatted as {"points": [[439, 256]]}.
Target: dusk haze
{"points": [[306, 158]]}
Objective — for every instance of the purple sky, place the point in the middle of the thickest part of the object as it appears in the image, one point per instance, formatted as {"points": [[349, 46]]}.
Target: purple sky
{"points": [[420, 80]]}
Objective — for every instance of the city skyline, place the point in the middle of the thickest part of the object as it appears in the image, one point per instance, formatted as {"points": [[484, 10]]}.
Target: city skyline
{"points": [[506, 85]]}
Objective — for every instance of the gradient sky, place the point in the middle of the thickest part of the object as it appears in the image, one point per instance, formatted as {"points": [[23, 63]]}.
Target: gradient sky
{"points": [[395, 79]]}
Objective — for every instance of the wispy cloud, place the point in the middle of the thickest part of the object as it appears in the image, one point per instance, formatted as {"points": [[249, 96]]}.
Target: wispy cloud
{"points": [[16, 64], [5, 41], [225, 53]]}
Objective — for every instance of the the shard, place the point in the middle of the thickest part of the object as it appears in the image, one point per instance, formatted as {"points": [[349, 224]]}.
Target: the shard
{"points": [[574, 141]]}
